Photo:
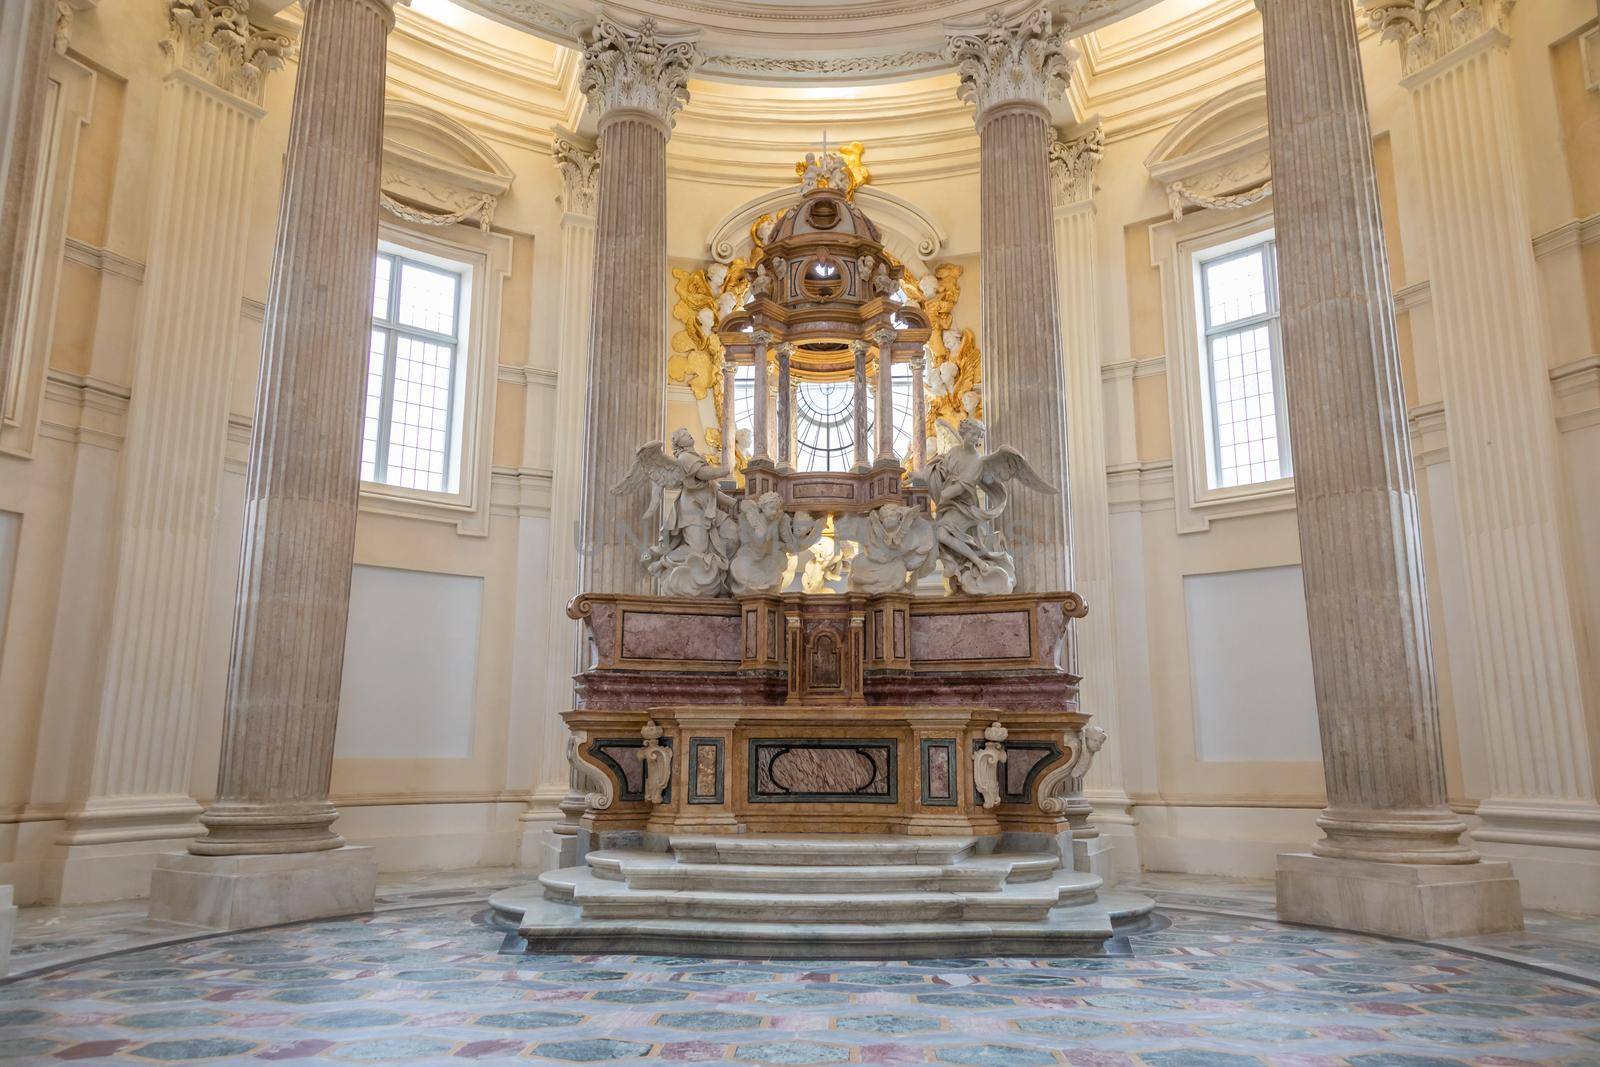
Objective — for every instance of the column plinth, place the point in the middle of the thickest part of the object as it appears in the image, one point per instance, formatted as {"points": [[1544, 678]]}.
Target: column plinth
{"points": [[1360, 540], [301, 492]]}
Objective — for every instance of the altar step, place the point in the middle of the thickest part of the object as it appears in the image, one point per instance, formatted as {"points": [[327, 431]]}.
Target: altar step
{"points": [[818, 896]]}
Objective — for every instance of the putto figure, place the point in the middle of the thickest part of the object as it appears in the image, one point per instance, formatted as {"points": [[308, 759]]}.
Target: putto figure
{"points": [[968, 489], [767, 538], [696, 537], [897, 548]]}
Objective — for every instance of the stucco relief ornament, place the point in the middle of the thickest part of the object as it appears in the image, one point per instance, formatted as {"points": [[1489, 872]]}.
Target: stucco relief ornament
{"points": [[657, 764], [986, 764], [968, 490], [1429, 30], [215, 40], [1016, 60], [897, 547], [696, 538], [632, 69], [580, 176], [1073, 164]]}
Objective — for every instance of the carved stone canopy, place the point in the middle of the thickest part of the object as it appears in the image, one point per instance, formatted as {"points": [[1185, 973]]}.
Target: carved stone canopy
{"points": [[436, 171], [1216, 156]]}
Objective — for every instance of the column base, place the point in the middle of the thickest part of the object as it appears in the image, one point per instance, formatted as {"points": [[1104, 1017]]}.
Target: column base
{"points": [[239, 892], [8, 927], [1554, 846], [1419, 901]]}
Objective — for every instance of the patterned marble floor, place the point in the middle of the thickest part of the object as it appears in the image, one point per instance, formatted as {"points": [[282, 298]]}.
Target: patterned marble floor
{"points": [[423, 981]]}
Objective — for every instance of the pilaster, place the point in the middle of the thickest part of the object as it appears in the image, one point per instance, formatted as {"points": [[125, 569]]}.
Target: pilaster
{"points": [[579, 167], [137, 788], [1072, 172], [1521, 576]]}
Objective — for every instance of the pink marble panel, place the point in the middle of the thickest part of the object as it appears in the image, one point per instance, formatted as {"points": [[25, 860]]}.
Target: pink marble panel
{"points": [[938, 771], [601, 624], [659, 635], [796, 770], [981, 635]]}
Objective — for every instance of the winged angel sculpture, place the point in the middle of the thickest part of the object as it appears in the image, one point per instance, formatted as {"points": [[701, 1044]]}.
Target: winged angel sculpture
{"points": [[968, 489], [696, 538]]}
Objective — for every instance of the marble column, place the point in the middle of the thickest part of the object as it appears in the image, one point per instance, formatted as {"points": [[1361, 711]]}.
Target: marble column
{"points": [[579, 167], [1392, 859], [918, 460], [730, 428], [785, 405], [270, 853], [863, 455], [205, 165], [883, 396], [761, 447], [1524, 621], [635, 82], [1010, 71], [1072, 171]]}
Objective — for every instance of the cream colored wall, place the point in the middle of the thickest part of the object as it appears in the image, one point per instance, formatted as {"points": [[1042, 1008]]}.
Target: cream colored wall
{"points": [[732, 144]]}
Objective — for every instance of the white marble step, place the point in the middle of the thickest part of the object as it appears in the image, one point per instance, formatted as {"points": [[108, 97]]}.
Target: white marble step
{"points": [[1072, 930], [643, 869], [601, 898], [823, 850]]}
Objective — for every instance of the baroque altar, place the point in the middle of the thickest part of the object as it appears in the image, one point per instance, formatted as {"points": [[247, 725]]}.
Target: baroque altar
{"points": [[762, 769]]}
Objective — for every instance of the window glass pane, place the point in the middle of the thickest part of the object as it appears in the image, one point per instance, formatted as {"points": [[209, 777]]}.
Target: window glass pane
{"points": [[744, 402], [900, 378], [371, 412], [1244, 407], [419, 419], [1236, 288], [427, 298], [380, 288], [825, 425]]}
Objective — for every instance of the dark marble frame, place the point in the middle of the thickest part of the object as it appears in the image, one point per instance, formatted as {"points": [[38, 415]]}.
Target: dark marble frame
{"points": [[597, 749], [891, 770], [952, 746], [692, 766], [1053, 755]]}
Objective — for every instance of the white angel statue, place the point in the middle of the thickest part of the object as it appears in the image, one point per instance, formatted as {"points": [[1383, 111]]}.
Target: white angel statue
{"points": [[968, 490], [767, 538], [898, 546], [696, 537]]}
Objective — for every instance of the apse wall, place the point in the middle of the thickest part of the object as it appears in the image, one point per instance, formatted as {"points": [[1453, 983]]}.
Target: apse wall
{"points": [[450, 752]]}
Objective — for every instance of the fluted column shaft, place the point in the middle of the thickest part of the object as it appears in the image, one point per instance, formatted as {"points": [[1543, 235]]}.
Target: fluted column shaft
{"points": [[1077, 269], [302, 484], [1360, 542], [1505, 458], [627, 381], [172, 465]]}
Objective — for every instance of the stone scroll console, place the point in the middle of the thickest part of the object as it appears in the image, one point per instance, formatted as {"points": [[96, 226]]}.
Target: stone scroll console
{"points": [[834, 714]]}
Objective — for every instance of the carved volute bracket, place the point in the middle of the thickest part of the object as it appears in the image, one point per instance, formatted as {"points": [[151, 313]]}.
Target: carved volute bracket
{"points": [[986, 765], [657, 764], [1061, 790]]}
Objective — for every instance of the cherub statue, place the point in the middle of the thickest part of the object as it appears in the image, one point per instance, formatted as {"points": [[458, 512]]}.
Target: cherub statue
{"points": [[761, 281], [968, 490], [767, 538], [897, 547], [696, 537]]}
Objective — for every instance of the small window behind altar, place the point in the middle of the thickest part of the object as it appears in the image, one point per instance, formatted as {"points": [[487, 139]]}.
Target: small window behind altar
{"points": [[1241, 354], [412, 416]]}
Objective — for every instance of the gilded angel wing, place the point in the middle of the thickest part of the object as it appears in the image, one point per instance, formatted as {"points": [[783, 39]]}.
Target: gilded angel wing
{"points": [[1006, 464], [651, 465]]}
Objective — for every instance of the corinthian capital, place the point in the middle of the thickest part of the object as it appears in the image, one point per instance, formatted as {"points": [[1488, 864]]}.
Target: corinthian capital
{"points": [[1011, 61], [215, 40], [1428, 31], [1072, 166], [580, 176], [633, 69]]}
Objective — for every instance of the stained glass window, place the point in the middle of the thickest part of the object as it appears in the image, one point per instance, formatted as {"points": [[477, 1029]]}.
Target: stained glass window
{"points": [[408, 426]]}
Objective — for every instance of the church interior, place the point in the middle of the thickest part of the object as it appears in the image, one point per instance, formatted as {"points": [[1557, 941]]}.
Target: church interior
{"points": [[973, 532]]}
